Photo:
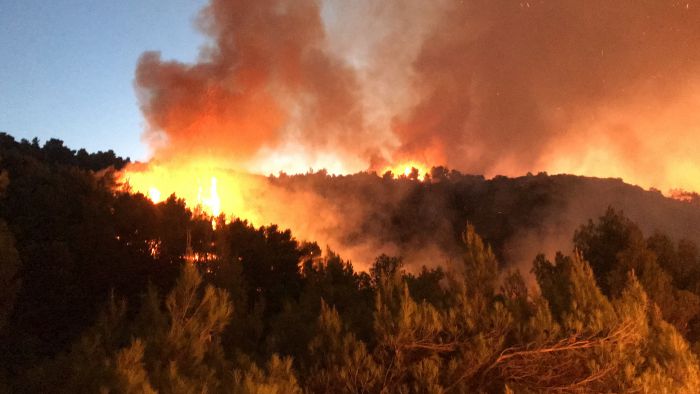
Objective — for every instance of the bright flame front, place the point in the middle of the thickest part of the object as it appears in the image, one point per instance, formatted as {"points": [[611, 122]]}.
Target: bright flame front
{"points": [[406, 169], [209, 187], [203, 185]]}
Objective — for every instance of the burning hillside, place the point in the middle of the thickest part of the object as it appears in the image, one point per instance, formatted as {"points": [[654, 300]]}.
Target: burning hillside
{"points": [[604, 89], [214, 190]]}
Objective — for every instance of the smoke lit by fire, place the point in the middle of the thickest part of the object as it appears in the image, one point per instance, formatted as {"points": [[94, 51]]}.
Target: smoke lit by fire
{"points": [[602, 88]]}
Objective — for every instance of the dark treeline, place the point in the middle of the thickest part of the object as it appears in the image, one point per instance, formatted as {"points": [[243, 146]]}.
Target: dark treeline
{"points": [[104, 291]]}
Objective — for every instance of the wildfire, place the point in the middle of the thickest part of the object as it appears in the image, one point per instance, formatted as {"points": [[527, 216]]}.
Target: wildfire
{"points": [[209, 187], [212, 203], [204, 186], [408, 169]]}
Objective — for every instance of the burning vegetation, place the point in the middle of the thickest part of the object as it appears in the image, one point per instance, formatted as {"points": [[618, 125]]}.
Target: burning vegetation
{"points": [[215, 190], [440, 84], [206, 188], [381, 271]]}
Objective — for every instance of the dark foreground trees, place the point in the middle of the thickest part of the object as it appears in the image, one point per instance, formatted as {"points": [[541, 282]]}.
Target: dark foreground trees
{"points": [[481, 336]]}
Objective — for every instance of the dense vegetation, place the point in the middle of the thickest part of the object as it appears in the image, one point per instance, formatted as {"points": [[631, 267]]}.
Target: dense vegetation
{"points": [[98, 294]]}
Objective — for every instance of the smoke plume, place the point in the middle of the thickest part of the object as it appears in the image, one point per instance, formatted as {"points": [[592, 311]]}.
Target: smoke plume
{"points": [[264, 80], [508, 87], [597, 87], [486, 87], [601, 88]]}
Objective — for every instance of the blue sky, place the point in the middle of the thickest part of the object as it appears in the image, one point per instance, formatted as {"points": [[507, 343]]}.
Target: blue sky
{"points": [[67, 66]]}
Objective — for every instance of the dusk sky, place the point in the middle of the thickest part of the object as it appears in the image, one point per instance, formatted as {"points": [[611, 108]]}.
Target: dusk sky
{"points": [[67, 66]]}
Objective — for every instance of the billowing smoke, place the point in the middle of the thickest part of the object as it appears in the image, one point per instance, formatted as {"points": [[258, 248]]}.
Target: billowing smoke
{"points": [[602, 88], [595, 87], [265, 80], [510, 86]]}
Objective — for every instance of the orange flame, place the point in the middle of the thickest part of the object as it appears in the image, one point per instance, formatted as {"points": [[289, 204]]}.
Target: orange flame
{"points": [[203, 185], [406, 169], [207, 186]]}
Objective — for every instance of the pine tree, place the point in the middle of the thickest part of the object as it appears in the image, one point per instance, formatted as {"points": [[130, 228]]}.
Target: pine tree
{"points": [[183, 351], [276, 378], [131, 376], [573, 294], [340, 362]]}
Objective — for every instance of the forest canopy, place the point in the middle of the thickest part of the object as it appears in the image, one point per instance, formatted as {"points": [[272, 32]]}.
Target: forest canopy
{"points": [[102, 290]]}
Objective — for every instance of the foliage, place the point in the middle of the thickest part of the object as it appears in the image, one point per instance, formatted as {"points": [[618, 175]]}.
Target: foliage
{"points": [[97, 294]]}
